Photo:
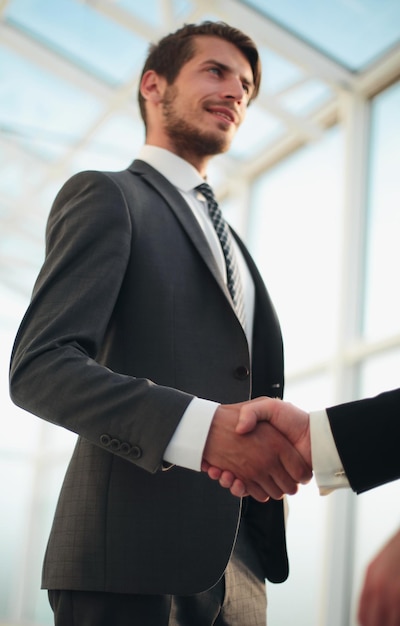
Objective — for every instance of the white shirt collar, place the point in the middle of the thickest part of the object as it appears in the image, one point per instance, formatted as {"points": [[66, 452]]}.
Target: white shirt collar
{"points": [[179, 172]]}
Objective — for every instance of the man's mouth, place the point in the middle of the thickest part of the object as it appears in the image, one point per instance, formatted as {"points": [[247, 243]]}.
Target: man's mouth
{"points": [[223, 113]]}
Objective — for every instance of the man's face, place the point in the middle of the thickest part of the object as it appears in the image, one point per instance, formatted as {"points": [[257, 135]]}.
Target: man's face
{"points": [[207, 102]]}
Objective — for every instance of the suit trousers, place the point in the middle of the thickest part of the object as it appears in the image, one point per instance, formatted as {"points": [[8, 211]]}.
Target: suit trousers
{"points": [[238, 599]]}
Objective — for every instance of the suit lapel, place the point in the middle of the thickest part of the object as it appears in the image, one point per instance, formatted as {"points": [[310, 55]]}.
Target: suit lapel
{"points": [[267, 340], [184, 215]]}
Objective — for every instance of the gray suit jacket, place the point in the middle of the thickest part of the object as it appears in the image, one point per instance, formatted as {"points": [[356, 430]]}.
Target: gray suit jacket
{"points": [[129, 320]]}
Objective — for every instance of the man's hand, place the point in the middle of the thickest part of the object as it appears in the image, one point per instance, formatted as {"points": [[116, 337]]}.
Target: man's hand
{"points": [[285, 417], [291, 421], [380, 597], [261, 462]]}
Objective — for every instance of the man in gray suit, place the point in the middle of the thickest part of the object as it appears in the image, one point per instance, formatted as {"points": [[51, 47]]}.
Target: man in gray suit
{"points": [[136, 339]]}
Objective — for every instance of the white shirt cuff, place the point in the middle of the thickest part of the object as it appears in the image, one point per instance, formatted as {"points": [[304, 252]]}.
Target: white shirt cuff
{"points": [[327, 466], [187, 443]]}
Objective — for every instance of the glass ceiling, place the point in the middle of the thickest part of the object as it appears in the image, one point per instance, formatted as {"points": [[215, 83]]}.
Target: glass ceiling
{"points": [[68, 82], [353, 32], [81, 34]]}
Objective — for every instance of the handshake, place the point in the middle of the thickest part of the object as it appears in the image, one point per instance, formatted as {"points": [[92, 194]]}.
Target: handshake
{"points": [[260, 448]]}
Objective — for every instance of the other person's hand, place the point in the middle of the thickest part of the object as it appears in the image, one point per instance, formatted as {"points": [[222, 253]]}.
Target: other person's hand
{"points": [[380, 597]]}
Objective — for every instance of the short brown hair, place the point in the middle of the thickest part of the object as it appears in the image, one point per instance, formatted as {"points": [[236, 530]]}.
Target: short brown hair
{"points": [[168, 56]]}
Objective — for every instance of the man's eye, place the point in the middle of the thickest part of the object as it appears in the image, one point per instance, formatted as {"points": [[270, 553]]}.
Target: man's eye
{"points": [[215, 70]]}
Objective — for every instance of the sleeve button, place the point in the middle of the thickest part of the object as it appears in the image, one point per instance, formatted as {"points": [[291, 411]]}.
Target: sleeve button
{"points": [[136, 452], [125, 448], [115, 445], [105, 440]]}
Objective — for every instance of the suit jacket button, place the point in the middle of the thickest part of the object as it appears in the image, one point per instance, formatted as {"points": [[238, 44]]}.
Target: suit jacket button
{"points": [[242, 372], [115, 445], [105, 440], [136, 452]]}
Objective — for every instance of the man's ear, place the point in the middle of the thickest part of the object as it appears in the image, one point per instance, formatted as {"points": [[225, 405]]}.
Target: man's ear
{"points": [[152, 86]]}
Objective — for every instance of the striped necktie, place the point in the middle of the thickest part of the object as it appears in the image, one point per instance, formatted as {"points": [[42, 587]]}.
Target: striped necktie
{"points": [[225, 238]]}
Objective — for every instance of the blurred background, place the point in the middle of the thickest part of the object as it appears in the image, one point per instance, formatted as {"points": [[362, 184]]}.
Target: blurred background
{"points": [[312, 183]]}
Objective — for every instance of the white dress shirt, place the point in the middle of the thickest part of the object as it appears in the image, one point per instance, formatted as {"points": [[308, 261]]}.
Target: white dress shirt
{"points": [[328, 469]]}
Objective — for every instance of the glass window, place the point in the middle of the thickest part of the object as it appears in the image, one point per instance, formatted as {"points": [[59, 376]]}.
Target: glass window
{"points": [[311, 392], [113, 146], [258, 129], [295, 237], [51, 116], [278, 73], [307, 97], [382, 304], [15, 497], [306, 529], [297, 601]]}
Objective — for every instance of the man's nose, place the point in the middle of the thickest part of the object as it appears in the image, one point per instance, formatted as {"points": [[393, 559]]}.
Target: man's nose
{"points": [[234, 90]]}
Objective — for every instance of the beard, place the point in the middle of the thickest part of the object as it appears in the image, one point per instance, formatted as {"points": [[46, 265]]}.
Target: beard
{"points": [[186, 137]]}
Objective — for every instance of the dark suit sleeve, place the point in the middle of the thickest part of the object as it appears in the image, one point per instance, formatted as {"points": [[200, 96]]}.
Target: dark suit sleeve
{"points": [[366, 434], [55, 370]]}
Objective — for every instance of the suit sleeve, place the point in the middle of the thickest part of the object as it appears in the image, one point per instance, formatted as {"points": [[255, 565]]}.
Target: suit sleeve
{"points": [[366, 434], [55, 372]]}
